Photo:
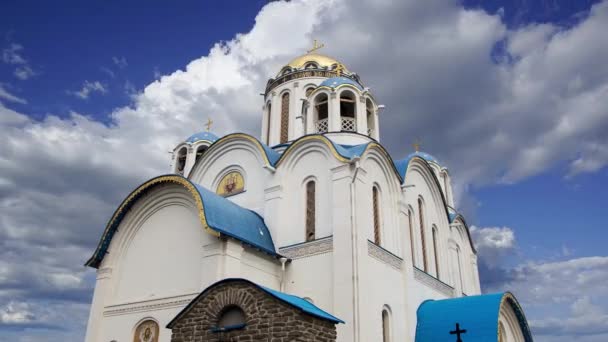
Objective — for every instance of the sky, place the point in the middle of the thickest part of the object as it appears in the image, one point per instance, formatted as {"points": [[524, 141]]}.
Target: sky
{"points": [[511, 96]]}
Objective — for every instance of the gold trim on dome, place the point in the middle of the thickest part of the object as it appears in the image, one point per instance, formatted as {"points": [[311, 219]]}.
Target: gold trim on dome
{"points": [[321, 60]]}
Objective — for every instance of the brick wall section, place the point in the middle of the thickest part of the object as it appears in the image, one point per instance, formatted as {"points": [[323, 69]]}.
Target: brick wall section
{"points": [[268, 319]]}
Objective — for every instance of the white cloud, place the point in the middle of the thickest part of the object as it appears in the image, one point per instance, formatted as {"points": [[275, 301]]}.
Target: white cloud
{"points": [[15, 313], [4, 94], [88, 88], [12, 54], [120, 62], [493, 244]]}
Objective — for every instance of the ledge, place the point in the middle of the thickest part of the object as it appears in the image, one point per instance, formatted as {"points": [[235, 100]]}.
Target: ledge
{"points": [[433, 282], [309, 248], [383, 255]]}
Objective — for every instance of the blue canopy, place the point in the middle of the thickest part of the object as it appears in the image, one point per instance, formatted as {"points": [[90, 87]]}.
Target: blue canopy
{"points": [[478, 315]]}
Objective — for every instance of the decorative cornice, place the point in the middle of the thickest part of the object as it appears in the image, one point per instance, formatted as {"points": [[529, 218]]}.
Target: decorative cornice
{"points": [[433, 282], [383, 255], [307, 249], [146, 306]]}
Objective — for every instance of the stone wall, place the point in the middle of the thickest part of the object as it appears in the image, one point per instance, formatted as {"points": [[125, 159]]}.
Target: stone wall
{"points": [[267, 318]]}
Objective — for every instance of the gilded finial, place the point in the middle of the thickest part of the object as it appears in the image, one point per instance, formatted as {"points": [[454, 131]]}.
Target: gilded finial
{"points": [[208, 124], [416, 145], [339, 70], [315, 46]]}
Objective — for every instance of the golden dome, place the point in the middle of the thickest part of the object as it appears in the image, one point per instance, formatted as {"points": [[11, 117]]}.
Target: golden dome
{"points": [[321, 60]]}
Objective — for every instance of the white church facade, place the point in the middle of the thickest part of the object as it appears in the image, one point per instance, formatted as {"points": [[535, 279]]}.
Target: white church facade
{"points": [[316, 208]]}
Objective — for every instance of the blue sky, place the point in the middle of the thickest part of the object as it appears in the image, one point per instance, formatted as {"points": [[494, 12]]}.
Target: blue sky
{"points": [[101, 90]]}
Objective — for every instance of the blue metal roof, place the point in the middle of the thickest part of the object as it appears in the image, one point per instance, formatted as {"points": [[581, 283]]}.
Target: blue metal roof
{"points": [[207, 136], [302, 304], [402, 164], [294, 301], [478, 315], [335, 82], [228, 218], [217, 214]]}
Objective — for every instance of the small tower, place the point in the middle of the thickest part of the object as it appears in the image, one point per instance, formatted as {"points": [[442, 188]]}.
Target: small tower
{"points": [[314, 94], [187, 153]]}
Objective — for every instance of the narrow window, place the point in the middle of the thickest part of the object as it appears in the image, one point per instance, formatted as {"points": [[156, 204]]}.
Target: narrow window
{"points": [[268, 124], [435, 252], [445, 187], [199, 152], [411, 228], [369, 110], [459, 266], [321, 112], [284, 118], [310, 211], [376, 209], [181, 161], [422, 239], [347, 111], [386, 333]]}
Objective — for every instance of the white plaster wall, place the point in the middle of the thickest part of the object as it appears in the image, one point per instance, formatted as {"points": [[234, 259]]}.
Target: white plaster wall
{"points": [[311, 277], [310, 161], [160, 261], [122, 327], [238, 154]]}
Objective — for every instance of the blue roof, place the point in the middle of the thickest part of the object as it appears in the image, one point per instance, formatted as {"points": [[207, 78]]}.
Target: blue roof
{"points": [[335, 82], [401, 165], [218, 214], [294, 301], [207, 136], [228, 218], [478, 315], [302, 304]]}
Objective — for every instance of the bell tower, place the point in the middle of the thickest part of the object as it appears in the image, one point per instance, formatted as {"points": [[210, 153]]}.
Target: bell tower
{"points": [[317, 94]]}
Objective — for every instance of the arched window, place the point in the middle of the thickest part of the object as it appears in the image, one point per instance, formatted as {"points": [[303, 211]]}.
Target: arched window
{"points": [[348, 107], [422, 238], [445, 186], [411, 228], [386, 327], [232, 316], [199, 152], [310, 210], [269, 107], [284, 118], [376, 209], [320, 114], [502, 333], [181, 160], [371, 123], [146, 331], [435, 252], [459, 268]]}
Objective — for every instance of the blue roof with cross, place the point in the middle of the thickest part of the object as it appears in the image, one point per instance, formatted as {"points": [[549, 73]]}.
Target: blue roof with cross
{"points": [[476, 316]]}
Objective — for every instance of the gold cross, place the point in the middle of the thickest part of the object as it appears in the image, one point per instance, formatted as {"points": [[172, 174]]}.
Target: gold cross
{"points": [[315, 46], [208, 124], [416, 145]]}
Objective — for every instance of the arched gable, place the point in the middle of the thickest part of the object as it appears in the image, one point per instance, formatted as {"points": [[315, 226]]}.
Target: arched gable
{"points": [[422, 167], [267, 156], [217, 215]]}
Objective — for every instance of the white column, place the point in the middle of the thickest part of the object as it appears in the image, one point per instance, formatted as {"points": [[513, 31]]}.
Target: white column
{"points": [[334, 123], [104, 276], [295, 107], [376, 134], [361, 116], [275, 119], [190, 160]]}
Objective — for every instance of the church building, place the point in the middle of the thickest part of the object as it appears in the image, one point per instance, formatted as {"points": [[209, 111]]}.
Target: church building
{"points": [[311, 232]]}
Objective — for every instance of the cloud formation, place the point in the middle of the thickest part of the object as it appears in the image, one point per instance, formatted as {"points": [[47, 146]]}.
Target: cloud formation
{"points": [[495, 105], [88, 88]]}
